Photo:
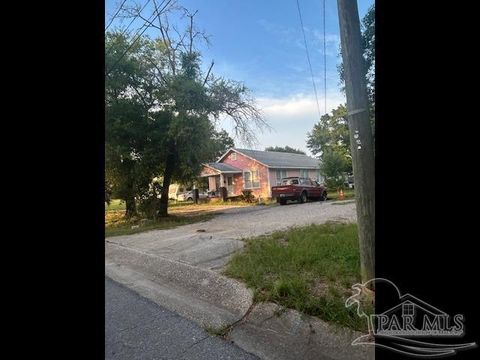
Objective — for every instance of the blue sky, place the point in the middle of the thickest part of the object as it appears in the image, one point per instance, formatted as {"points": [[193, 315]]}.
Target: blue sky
{"points": [[260, 43]]}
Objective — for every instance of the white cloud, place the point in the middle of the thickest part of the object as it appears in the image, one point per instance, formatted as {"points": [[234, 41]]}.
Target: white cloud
{"points": [[290, 117], [296, 106]]}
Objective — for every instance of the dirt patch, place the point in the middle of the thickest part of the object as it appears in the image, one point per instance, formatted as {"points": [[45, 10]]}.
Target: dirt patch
{"points": [[320, 288]]}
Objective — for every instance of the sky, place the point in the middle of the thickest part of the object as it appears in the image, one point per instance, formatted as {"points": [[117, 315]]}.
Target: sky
{"points": [[260, 43]]}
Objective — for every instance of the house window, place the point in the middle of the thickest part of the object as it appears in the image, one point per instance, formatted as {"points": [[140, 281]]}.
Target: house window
{"points": [[408, 309], [304, 173], [280, 174], [319, 177], [233, 156], [251, 179]]}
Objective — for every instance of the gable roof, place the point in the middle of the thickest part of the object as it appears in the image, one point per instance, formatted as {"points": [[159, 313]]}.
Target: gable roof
{"points": [[275, 159], [224, 168]]}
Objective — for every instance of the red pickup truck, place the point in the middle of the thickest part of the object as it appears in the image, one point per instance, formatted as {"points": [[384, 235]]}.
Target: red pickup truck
{"points": [[297, 188]]}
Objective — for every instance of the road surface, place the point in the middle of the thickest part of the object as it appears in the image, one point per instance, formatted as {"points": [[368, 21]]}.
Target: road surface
{"points": [[136, 328]]}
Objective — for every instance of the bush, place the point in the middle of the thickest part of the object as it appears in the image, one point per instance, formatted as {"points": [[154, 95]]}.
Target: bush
{"points": [[149, 202], [247, 196]]}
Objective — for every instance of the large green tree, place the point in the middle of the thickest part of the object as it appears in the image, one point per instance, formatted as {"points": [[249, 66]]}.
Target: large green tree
{"points": [[130, 128], [174, 106], [331, 134], [329, 140], [286, 149], [220, 143]]}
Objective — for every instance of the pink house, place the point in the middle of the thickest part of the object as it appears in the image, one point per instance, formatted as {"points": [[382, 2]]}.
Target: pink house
{"points": [[256, 170]]}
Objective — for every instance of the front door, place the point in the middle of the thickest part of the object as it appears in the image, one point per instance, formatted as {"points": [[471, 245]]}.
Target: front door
{"points": [[230, 185]]}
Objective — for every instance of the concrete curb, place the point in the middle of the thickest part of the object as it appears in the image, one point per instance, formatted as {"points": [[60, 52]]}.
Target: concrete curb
{"points": [[274, 333], [200, 295]]}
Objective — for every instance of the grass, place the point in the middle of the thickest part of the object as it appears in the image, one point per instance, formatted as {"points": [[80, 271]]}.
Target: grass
{"points": [[116, 224], [309, 269], [217, 331], [180, 213], [115, 205]]}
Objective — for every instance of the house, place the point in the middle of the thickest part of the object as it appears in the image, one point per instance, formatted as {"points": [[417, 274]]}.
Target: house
{"points": [[258, 171]]}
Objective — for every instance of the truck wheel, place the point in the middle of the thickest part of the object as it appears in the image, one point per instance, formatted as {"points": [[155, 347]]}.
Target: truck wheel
{"points": [[283, 202], [303, 197], [190, 199], [324, 196]]}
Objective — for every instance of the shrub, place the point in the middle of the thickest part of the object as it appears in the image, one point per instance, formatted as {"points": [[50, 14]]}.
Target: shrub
{"points": [[247, 196]]}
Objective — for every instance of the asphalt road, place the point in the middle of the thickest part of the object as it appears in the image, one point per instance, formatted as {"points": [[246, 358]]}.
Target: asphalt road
{"points": [[136, 328]]}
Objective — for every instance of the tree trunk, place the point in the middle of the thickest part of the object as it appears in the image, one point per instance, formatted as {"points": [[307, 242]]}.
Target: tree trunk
{"points": [[131, 207], [361, 139], [167, 179]]}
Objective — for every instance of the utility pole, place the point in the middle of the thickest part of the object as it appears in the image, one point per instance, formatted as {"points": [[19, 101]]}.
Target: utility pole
{"points": [[361, 139]]}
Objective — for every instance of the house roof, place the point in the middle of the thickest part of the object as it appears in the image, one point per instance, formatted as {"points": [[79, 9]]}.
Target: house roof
{"points": [[224, 168], [275, 159]]}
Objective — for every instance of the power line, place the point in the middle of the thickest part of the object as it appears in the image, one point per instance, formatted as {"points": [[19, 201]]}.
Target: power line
{"points": [[134, 18], [138, 37], [324, 58], [308, 58], [114, 16], [124, 31]]}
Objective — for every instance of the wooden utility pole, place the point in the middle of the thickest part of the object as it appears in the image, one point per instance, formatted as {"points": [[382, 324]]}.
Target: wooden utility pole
{"points": [[361, 138]]}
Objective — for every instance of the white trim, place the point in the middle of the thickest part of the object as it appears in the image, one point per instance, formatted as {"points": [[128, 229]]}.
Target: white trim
{"points": [[277, 182], [269, 187], [251, 180], [239, 152], [221, 157], [222, 172]]}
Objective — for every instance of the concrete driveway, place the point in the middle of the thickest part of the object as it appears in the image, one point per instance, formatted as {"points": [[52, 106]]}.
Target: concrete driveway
{"points": [[179, 270], [209, 244]]}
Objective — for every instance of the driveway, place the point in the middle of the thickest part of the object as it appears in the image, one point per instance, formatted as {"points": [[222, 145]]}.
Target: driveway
{"points": [[209, 244], [179, 270]]}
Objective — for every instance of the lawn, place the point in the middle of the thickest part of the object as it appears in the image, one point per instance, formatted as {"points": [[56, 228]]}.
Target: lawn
{"points": [[180, 213], [310, 269], [116, 224], [115, 205]]}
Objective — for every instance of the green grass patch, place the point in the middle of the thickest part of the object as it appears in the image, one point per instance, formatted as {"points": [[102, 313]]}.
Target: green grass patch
{"points": [[121, 226], [310, 269], [115, 205]]}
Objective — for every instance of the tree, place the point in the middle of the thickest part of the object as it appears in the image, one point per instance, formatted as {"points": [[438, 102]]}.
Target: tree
{"points": [[177, 106], [286, 149], [220, 143], [331, 135], [332, 167], [128, 124]]}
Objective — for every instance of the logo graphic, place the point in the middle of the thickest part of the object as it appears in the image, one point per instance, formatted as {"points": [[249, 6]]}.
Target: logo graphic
{"points": [[405, 319]]}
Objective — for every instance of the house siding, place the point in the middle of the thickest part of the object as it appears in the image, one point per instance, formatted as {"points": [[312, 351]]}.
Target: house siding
{"points": [[247, 164], [212, 186], [312, 174], [267, 176]]}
